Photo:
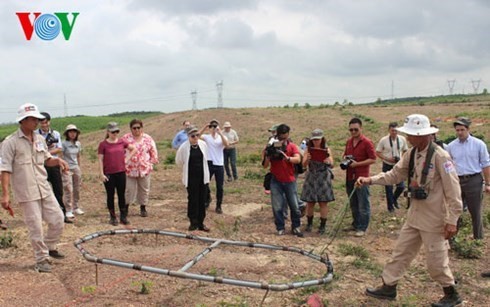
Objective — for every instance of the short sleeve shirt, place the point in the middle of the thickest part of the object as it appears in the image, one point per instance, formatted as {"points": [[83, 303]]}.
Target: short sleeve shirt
{"points": [[114, 154], [141, 162], [392, 149], [362, 151], [283, 170], [70, 153], [25, 161], [232, 136], [215, 148]]}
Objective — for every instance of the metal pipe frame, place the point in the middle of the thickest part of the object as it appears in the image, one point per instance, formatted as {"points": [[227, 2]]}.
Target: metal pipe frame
{"points": [[181, 273]]}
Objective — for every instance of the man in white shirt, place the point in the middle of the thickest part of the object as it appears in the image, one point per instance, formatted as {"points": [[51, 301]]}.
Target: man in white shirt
{"points": [[216, 142], [390, 149]]}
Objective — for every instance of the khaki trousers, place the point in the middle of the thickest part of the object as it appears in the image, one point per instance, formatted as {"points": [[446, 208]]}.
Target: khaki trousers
{"points": [[137, 190], [37, 211], [407, 247], [72, 182]]}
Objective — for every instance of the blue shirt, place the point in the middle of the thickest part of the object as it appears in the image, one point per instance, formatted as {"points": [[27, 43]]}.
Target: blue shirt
{"points": [[179, 139], [470, 156]]}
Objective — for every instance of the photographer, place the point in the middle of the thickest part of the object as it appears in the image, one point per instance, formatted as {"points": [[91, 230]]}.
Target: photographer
{"points": [[55, 147], [390, 148], [281, 154], [435, 205], [359, 154]]}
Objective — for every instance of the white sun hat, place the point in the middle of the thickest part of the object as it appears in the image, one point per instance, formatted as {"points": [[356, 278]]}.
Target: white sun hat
{"points": [[417, 124], [28, 110]]}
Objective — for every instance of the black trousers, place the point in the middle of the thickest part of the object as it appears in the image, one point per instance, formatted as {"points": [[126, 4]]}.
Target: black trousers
{"points": [[196, 197], [117, 182], [54, 177]]}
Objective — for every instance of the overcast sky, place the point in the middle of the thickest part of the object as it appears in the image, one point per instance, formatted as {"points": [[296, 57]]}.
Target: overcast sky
{"points": [[144, 55]]}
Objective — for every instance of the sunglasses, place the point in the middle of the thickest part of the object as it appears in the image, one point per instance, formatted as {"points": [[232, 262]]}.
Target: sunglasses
{"points": [[213, 126], [136, 128], [114, 132], [354, 129], [194, 135]]}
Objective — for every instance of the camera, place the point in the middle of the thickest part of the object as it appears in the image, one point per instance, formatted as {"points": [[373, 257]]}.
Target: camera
{"points": [[416, 192], [50, 139], [396, 159], [274, 148], [346, 162]]}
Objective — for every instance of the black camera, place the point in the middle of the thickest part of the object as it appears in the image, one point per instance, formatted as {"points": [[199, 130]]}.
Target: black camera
{"points": [[274, 149], [396, 159], [346, 162], [50, 139], [416, 192]]}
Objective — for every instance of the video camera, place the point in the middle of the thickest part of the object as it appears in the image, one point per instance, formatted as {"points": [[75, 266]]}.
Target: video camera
{"points": [[346, 162], [274, 149], [50, 139], [416, 193]]}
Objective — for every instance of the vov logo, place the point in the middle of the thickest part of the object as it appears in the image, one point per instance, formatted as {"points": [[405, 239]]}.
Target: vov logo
{"points": [[47, 26]]}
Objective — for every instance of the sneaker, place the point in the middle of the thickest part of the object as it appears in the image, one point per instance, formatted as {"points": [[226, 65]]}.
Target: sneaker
{"points": [[396, 205], [56, 254], [69, 215], [280, 232], [143, 212], [297, 232], [43, 266], [359, 233], [79, 211], [113, 221]]}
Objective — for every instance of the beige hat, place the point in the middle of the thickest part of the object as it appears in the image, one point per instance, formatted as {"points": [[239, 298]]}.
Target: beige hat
{"points": [[227, 125], [112, 126], [28, 110], [418, 125], [316, 134], [71, 127], [189, 130]]}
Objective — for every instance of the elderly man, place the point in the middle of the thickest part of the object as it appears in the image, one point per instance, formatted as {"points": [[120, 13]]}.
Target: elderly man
{"points": [[471, 158], [435, 206], [24, 155], [230, 151]]}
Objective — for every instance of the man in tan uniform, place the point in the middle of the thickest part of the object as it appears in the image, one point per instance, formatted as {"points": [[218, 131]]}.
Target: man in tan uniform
{"points": [[435, 205], [24, 154]]}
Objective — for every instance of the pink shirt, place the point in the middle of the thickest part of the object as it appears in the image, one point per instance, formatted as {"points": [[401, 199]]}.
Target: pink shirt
{"points": [[145, 155], [113, 161]]}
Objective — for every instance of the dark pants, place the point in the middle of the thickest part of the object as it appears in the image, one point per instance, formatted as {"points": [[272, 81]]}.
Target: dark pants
{"points": [[117, 182], [360, 205], [391, 198], [54, 177], [196, 197], [471, 193], [219, 176], [230, 159]]}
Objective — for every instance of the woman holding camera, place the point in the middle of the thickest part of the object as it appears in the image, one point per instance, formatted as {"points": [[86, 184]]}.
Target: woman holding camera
{"points": [[317, 187]]}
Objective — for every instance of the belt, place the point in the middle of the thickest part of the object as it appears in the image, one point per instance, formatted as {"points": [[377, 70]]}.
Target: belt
{"points": [[468, 176]]}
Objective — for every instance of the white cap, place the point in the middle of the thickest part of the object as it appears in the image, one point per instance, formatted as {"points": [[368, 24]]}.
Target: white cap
{"points": [[28, 110], [417, 124]]}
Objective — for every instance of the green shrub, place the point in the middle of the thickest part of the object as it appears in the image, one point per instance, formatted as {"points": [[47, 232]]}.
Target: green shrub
{"points": [[170, 158], [6, 240]]}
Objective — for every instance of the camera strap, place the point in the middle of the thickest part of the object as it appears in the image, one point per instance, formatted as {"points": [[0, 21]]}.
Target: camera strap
{"points": [[397, 146], [425, 170]]}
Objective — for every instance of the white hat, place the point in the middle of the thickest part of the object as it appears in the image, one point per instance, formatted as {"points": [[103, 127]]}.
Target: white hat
{"points": [[227, 125], [28, 110], [71, 127], [417, 124]]}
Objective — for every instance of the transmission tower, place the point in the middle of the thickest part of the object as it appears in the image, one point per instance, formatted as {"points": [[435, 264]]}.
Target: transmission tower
{"points": [[219, 87], [392, 90], [194, 99], [450, 84], [475, 84]]}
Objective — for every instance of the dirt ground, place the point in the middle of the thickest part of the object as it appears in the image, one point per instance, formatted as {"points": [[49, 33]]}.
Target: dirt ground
{"points": [[247, 217]]}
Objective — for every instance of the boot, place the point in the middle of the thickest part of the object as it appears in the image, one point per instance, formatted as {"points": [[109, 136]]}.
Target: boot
{"points": [[384, 292], [321, 229], [218, 208], [309, 226], [124, 215], [113, 219], [143, 212], [451, 298]]}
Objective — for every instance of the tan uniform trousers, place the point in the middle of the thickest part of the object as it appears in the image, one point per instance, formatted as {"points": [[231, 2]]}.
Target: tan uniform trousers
{"points": [[137, 190], [72, 182], [37, 211], [407, 247]]}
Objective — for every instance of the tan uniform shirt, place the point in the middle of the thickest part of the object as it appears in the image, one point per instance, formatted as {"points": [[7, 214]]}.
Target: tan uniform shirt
{"points": [[25, 161], [443, 204]]}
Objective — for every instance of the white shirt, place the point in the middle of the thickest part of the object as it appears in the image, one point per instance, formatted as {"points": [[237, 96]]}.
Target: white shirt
{"points": [[215, 148], [395, 149]]}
